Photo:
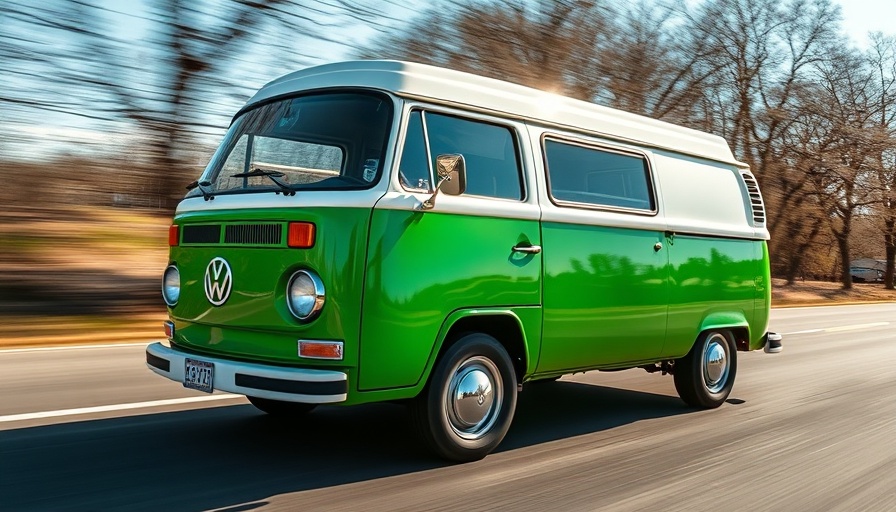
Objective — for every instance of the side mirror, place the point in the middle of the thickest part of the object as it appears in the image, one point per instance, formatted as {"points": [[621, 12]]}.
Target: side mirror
{"points": [[452, 172]]}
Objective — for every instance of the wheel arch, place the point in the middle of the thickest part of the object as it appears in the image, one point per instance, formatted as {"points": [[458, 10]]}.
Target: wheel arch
{"points": [[502, 324], [733, 321]]}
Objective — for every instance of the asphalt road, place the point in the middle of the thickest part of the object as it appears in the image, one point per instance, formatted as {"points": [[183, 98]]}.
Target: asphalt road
{"points": [[812, 428]]}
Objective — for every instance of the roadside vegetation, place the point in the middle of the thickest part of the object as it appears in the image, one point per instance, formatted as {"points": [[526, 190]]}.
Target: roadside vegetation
{"points": [[81, 275], [92, 275]]}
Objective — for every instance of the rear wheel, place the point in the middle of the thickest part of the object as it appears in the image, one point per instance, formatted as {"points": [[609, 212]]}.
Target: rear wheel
{"points": [[468, 404], [705, 376], [281, 408]]}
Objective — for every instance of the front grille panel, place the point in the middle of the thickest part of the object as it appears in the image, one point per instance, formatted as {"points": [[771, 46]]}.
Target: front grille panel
{"points": [[253, 234]]}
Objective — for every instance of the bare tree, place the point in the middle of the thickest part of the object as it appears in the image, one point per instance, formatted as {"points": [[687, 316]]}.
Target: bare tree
{"points": [[882, 59], [653, 63], [765, 53], [195, 65], [848, 145], [638, 57], [547, 44]]}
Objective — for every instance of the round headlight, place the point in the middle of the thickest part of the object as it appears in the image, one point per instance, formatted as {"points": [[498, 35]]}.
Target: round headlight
{"points": [[171, 285], [305, 295]]}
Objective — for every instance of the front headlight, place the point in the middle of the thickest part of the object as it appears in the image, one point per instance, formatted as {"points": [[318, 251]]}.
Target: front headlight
{"points": [[305, 295], [171, 285]]}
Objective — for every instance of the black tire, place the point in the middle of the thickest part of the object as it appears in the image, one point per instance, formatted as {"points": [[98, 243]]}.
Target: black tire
{"points": [[471, 425], [705, 376], [281, 408]]}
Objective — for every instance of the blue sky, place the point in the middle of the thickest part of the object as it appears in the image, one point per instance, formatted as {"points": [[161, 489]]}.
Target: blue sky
{"points": [[863, 16]]}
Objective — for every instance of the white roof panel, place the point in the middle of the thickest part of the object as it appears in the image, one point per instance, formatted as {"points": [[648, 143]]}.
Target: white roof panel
{"points": [[447, 86]]}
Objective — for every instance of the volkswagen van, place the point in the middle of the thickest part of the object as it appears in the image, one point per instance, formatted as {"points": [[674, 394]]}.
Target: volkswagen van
{"points": [[386, 231]]}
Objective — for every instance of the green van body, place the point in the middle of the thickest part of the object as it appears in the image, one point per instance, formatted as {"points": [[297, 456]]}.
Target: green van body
{"points": [[627, 314], [564, 286]]}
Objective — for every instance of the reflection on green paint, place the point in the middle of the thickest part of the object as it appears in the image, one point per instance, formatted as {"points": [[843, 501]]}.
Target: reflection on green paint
{"points": [[255, 322], [423, 266], [605, 296]]}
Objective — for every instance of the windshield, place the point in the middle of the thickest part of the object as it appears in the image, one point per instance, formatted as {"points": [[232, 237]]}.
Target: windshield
{"points": [[324, 141]]}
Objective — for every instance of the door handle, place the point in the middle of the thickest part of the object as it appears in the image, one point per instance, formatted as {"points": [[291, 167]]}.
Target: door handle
{"points": [[528, 249]]}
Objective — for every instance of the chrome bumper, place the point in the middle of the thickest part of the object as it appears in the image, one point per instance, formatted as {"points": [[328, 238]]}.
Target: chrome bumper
{"points": [[773, 343], [265, 381]]}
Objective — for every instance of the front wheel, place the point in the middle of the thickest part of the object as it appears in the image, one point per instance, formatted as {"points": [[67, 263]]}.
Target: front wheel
{"points": [[468, 404], [281, 408], [705, 376]]}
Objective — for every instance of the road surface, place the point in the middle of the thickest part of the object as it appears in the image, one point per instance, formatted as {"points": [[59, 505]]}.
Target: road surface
{"points": [[812, 428]]}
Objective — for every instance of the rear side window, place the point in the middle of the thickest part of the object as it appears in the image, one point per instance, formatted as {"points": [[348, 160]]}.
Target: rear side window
{"points": [[598, 177], [489, 151]]}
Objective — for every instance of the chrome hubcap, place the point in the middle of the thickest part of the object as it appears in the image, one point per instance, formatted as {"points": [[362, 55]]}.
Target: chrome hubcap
{"points": [[716, 363], [474, 397]]}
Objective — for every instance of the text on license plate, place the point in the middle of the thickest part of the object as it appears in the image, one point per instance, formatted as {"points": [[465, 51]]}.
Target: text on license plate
{"points": [[199, 375]]}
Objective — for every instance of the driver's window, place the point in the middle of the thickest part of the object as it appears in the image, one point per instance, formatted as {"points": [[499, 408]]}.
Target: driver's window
{"points": [[489, 151]]}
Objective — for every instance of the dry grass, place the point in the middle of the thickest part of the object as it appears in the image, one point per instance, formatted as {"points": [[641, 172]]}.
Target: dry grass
{"points": [[80, 275], [823, 293]]}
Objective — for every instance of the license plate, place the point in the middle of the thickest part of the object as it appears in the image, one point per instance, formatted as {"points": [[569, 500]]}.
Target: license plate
{"points": [[199, 375]]}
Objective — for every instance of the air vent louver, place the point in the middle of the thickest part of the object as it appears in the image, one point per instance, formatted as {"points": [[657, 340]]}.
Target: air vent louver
{"points": [[756, 203], [253, 234], [201, 234]]}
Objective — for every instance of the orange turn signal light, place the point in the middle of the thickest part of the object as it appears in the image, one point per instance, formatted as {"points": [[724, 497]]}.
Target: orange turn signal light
{"points": [[300, 235], [169, 329], [173, 235], [320, 349]]}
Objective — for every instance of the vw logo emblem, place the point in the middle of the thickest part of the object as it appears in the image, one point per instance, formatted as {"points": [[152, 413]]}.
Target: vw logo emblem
{"points": [[218, 281]]}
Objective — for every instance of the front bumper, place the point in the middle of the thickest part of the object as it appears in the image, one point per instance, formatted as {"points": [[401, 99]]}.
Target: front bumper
{"points": [[273, 382]]}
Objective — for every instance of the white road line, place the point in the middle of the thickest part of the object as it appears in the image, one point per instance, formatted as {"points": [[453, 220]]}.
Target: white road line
{"points": [[115, 407], [834, 305], [856, 327], [73, 347], [809, 331], [842, 328]]}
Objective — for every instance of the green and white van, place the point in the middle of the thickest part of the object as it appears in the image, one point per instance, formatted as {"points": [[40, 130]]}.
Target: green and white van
{"points": [[384, 231]]}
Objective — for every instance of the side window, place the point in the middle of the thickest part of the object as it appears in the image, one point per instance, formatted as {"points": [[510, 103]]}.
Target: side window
{"points": [[584, 175], [489, 151]]}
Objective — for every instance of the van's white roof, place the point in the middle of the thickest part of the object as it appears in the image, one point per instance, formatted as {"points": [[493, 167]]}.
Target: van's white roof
{"points": [[447, 86]]}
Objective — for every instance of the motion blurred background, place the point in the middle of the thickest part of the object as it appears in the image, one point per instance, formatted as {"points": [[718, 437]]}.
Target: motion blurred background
{"points": [[109, 108]]}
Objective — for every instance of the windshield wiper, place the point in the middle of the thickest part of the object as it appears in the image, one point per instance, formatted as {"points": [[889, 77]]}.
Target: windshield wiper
{"points": [[206, 194], [272, 175]]}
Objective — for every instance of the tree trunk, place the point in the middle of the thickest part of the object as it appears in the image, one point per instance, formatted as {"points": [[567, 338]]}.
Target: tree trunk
{"points": [[890, 246], [845, 275], [799, 252]]}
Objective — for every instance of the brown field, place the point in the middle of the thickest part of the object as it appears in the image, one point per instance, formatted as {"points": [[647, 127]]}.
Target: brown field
{"points": [[821, 293], [81, 275], [91, 275]]}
